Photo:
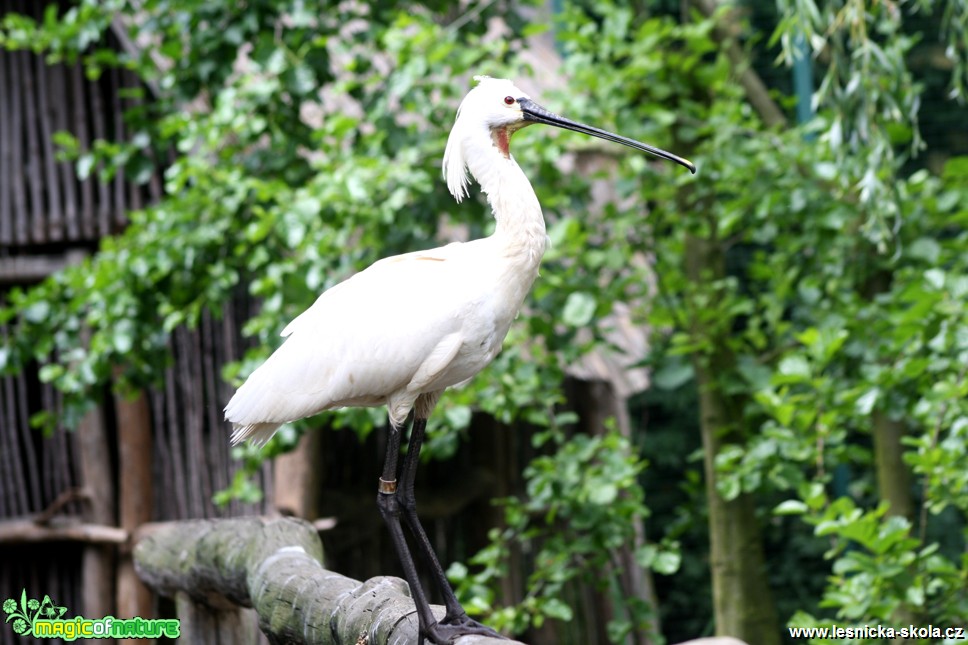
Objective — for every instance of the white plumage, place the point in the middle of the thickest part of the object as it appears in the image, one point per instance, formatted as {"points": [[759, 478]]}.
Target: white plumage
{"points": [[412, 324], [409, 326]]}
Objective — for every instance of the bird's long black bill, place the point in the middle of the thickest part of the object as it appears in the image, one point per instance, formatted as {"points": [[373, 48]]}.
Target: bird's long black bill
{"points": [[537, 114]]}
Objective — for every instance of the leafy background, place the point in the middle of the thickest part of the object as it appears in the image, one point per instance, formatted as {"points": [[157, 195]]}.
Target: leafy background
{"points": [[804, 291]]}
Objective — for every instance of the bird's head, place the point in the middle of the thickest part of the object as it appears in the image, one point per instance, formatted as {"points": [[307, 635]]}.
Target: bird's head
{"points": [[495, 108], [494, 104]]}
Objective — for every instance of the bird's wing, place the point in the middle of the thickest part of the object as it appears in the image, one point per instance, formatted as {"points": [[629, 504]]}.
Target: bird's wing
{"points": [[386, 278], [394, 325]]}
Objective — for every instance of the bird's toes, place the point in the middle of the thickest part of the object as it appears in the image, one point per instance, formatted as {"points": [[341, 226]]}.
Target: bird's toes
{"points": [[449, 630]]}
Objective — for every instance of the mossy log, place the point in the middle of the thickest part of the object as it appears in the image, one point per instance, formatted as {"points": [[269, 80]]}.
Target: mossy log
{"points": [[215, 567], [274, 566]]}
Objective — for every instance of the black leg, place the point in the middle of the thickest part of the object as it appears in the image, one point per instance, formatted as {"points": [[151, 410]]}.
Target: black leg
{"points": [[455, 622], [389, 506]]}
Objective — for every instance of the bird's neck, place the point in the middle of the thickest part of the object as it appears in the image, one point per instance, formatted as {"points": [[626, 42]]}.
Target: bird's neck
{"points": [[520, 229]]}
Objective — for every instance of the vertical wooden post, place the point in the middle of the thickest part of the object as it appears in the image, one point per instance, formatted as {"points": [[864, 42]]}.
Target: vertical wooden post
{"points": [[97, 566], [136, 493], [298, 478]]}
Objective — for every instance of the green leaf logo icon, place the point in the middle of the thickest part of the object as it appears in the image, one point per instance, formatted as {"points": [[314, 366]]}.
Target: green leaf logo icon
{"points": [[28, 610]]}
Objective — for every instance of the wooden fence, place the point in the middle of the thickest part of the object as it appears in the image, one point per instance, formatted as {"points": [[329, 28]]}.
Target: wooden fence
{"points": [[44, 206], [71, 503]]}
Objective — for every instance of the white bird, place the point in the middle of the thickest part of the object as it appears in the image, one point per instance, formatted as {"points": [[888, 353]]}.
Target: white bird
{"points": [[408, 327]]}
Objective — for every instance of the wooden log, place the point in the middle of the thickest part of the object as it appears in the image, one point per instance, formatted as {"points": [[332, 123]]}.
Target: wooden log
{"points": [[217, 449], [172, 438], [191, 425], [12, 466], [274, 567], [233, 626], [27, 470], [298, 478], [597, 401], [129, 83]]}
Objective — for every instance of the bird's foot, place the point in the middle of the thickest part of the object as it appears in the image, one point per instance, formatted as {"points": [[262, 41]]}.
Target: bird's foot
{"points": [[448, 630]]}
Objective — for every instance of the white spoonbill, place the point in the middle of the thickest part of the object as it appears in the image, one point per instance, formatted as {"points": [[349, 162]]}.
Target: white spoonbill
{"points": [[408, 327]]}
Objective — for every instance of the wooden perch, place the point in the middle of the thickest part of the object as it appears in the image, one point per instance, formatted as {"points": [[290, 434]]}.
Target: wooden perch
{"points": [[273, 565]]}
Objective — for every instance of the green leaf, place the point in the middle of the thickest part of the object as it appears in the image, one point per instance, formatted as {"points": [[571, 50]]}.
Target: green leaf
{"points": [[579, 309], [791, 507], [50, 372], [603, 494], [794, 365], [926, 249], [645, 555], [673, 374], [458, 416], [935, 278], [667, 562], [867, 401], [554, 608], [37, 312]]}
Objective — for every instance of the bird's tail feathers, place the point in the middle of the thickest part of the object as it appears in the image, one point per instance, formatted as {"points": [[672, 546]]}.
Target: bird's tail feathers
{"points": [[258, 433]]}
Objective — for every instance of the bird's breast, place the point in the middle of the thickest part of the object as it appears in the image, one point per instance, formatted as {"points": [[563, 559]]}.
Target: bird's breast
{"points": [[491, 298]]}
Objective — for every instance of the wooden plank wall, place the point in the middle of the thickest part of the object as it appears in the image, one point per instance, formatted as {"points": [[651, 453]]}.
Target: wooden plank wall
{"points": [[192, 454], [49, 217], [42, 202], [189, 460], [192, 457]]}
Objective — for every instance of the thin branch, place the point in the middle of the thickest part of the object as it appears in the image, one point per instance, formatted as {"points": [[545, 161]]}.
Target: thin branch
{"points": [[62, 500], [60, 529]]}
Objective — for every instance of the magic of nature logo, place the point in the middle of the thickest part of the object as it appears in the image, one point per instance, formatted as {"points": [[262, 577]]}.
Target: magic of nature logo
{"points": [[45, 619]]}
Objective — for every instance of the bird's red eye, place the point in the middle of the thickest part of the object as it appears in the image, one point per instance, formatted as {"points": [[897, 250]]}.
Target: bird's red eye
{"points": [[508, 100]]}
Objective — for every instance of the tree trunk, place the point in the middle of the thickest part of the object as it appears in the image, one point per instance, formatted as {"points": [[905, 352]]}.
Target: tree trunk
{"points": [[893, 475], [742, 601]]}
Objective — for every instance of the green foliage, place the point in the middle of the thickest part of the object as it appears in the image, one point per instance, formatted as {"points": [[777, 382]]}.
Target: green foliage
{"points": [[259, 199], [818, 282], [815, 275], [582, 505]]}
